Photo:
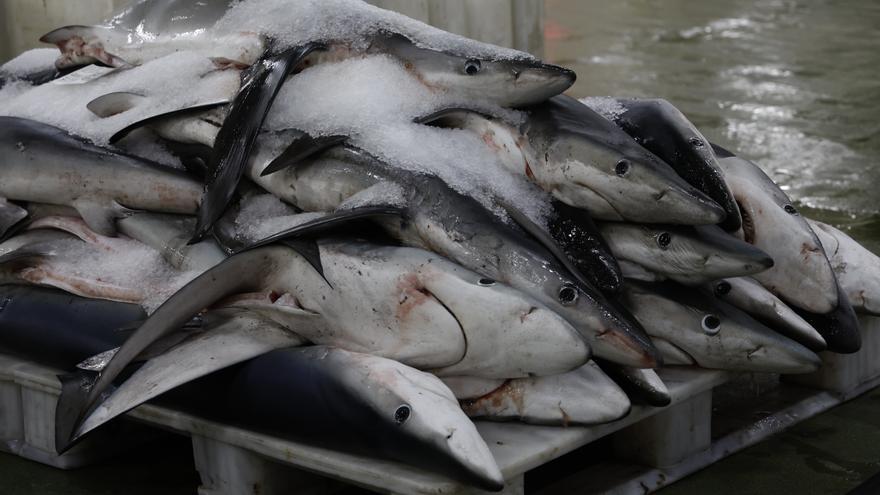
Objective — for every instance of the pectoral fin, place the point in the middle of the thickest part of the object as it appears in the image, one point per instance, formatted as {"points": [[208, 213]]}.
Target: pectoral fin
{"points": [[241, 273], [115, 103], [10, 216], [28, 252], [450, 117], [302, 149], [241, 338], [100, 216], [329, 221], [237, 137], [157, 118]]}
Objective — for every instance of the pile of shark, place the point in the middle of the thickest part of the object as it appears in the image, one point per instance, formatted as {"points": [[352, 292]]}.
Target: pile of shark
{"points": [[327, 221]]}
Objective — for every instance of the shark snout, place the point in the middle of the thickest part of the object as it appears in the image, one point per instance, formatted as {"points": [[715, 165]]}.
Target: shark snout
{"points": [[626, 346], [787, 357], [688, 206], [736, 259], [539, 82], [507, 333]]}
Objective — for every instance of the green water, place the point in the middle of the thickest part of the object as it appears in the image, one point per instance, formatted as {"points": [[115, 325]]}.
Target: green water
{"points": [[793, 85]]}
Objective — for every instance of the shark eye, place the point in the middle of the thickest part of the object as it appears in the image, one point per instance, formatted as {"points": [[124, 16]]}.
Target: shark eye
{"points": [[711, 324], [722, 289], [663, 240], [402, 414], [472, 66], [568, 295], [622, 168], [791, 210], [486, 282], [696, 142]]}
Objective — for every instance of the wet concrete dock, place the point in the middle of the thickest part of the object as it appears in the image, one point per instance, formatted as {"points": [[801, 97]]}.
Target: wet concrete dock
{"points": [[829, 454]]}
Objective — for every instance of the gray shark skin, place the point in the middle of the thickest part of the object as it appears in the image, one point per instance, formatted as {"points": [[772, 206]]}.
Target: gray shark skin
{"points": [[588, 162], [400, 302], [439, 219], [712, 333], [152, 28], [36, 78], [36, 322], [580, 239], [31, 212], [581, 397], [283, 389], [801, 275], [346, 400], [238, 134], [45, 164], [663, 130], [497, 81], [839, 327], [505, 82], [164, 17], [856, 268], [232, 337], [170, 234], [507, 333], [689, 255], [750, 296], [643, 386]]}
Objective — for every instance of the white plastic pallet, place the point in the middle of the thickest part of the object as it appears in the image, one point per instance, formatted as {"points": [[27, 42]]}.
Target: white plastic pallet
{"points": [[670, 442]]}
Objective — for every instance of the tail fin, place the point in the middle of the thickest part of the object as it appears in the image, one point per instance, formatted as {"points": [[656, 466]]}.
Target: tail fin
{"points": [[83, 45]]}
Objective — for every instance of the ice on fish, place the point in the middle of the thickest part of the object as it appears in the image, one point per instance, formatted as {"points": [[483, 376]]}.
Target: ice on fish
{"points": [[374, 101], [263, 215], [115, 268], [145, 144], [294, 23], [605, 106], [31, 61], [171, 83]]}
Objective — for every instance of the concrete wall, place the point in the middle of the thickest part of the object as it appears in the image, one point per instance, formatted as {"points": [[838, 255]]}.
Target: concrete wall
{"points": [[513, 23]]}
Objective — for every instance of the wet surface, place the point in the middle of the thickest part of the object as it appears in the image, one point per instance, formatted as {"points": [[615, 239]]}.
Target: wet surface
{"points": [[792, 85], [828, 454], [165, 466]]}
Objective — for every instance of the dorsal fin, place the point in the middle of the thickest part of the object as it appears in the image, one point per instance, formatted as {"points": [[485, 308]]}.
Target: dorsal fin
{"points": [[308, 249], [330, 221], [301, 149], [115, 103], [456, 112], [183, 112], [721, 152]]}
